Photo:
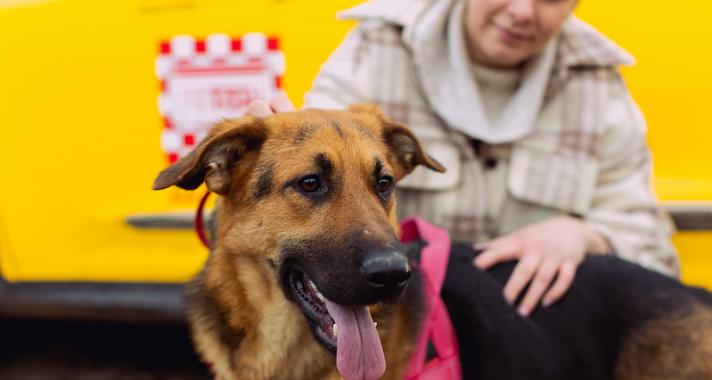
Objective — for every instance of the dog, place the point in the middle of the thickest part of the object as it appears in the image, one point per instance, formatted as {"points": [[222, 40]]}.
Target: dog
{"points": [[306, 248]]}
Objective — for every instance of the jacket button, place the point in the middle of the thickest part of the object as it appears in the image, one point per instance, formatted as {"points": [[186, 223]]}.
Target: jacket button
{"points": [[490, 162]]}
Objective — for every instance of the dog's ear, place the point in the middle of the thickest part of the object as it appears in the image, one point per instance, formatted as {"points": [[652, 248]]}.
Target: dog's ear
{"points": [[213, 159], [400, 140], [407, 149]]}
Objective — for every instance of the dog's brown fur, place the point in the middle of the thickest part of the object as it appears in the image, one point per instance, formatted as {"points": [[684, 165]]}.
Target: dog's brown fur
{"points": [[676, 346], [242, 324]]}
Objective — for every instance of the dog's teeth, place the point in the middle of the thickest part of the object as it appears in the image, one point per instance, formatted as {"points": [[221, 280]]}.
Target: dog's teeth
{"points": [[334, 329], [316, 291], [375, 324]]}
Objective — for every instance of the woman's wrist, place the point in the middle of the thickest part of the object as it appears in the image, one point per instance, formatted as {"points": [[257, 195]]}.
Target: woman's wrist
{"points": [[596, 243]]}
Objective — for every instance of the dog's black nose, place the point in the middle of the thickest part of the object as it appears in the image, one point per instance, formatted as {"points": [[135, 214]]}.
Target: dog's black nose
{"points": [[386, 268]]}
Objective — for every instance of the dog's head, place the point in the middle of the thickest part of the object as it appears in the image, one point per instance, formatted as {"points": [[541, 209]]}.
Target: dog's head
{"points": [[308, 195]]}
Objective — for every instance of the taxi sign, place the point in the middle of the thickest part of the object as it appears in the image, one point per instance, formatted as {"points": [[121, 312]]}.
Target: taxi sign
{"points": [[204, 81]]}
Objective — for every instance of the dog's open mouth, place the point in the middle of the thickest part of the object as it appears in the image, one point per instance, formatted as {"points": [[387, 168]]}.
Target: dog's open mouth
{"points": [[346, 330], [312, 303]]}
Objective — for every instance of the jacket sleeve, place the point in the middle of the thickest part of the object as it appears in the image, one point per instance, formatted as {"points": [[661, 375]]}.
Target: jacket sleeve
{"points": [[624, 209], [346, 77]]}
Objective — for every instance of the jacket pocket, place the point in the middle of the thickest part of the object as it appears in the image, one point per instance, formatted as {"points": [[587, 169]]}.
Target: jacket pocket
{"points": [[423, 178], [554, 180]]}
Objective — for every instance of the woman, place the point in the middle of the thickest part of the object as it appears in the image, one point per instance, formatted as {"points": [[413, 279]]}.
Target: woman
{"points": [[524, 105]]}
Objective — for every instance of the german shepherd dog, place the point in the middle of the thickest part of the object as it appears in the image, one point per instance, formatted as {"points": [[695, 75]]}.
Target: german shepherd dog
{"points": [[306, 260]]}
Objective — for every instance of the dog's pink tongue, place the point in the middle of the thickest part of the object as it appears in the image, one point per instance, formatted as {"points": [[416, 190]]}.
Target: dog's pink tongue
{"points": [[359, 355]]}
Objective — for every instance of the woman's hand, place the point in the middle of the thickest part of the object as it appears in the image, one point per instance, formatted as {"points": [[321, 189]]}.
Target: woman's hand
{"points": [[548, 252], [279, 103]]}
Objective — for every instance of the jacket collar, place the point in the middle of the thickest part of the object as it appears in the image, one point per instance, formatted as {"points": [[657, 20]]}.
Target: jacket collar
{"points": [[579, 44], [582, 45], [399, 12]]}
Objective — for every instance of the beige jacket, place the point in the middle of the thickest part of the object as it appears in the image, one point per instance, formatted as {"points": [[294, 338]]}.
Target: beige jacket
{"points": [[582, 152]]}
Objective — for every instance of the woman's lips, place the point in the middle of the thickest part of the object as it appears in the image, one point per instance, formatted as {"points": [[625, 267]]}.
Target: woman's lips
{"points": [[511, 37]]}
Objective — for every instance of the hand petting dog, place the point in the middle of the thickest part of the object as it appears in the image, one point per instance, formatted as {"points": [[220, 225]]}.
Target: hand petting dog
{"points": [[548, 252], [279, 103]]}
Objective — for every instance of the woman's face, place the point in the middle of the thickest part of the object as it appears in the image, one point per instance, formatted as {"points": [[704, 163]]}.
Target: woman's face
{"points": [[505, 33]]}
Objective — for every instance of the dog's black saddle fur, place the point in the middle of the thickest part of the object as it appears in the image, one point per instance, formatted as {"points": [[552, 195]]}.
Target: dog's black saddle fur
{"points": [[578, 337]]}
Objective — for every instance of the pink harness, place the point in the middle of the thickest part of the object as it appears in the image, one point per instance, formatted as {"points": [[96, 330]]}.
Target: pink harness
{"points": [[436, 326]]}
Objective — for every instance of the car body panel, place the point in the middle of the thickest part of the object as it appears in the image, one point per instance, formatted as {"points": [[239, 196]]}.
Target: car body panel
{"points": [[80, 124]]}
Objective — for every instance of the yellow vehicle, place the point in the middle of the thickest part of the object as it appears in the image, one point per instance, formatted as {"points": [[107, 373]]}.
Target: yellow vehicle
{"points": [[85, 127]]}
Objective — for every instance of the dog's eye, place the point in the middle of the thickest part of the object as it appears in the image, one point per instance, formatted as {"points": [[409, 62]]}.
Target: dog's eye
{"points": [[384, 184], [310, 184]]}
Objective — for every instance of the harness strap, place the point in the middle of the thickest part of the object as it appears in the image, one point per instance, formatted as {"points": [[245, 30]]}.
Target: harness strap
{"points": [[198, 221], [437, 327]]}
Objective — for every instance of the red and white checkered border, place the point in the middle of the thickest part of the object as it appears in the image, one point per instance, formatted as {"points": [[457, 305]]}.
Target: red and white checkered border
{"points": [[252, 51]]}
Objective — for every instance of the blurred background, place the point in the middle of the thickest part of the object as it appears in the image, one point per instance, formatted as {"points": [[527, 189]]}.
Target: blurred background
{"points": [[96, 97]]}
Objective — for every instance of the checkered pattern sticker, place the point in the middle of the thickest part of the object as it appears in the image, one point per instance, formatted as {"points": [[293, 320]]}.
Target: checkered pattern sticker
{"points": [[204, 81]]}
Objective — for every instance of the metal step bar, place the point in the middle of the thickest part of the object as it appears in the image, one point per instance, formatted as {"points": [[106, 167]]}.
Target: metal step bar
{"points": [[687, 216]]}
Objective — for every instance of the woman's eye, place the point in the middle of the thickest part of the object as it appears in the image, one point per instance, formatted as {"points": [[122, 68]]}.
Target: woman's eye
{"points": [[384, 184], [310, 184]]}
